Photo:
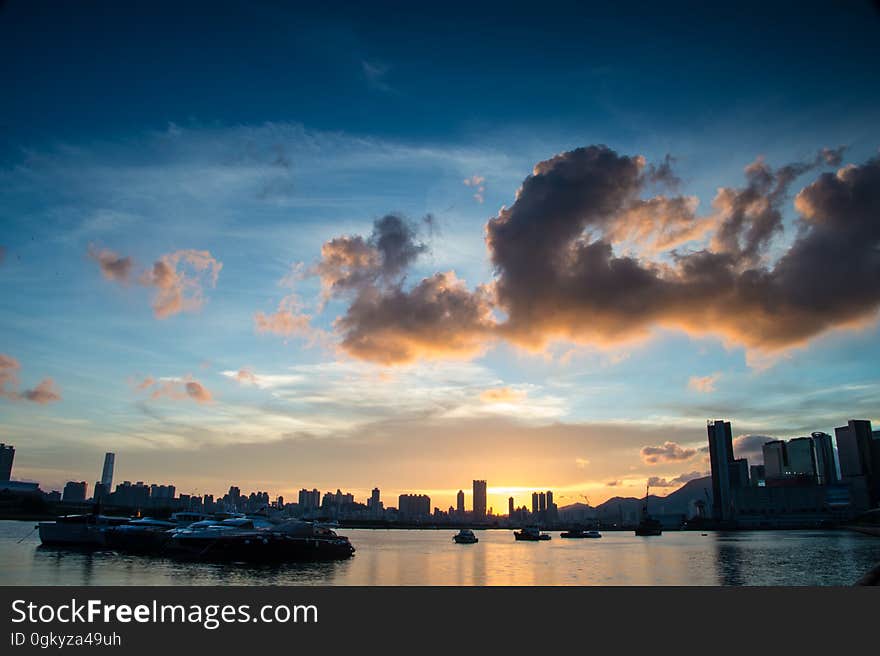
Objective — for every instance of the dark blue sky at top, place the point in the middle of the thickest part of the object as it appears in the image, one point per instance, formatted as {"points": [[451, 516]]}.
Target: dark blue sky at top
{"points": [[440, 72]]}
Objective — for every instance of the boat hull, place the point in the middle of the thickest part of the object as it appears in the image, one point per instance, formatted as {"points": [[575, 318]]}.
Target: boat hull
{"points": [[260, 548], [80, 535], [529, 538], [459, 540]]}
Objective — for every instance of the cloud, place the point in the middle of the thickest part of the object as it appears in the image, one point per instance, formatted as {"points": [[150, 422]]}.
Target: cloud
{"points": [[177, 389], [751, 447], [613, 483], [375, 74], [656, 481], [581, 462], [502, 395], [45, 392], [667, 452], [113, 267], [478, 183], [286, 321], [178, 278], [245, 377], [704, 384]]}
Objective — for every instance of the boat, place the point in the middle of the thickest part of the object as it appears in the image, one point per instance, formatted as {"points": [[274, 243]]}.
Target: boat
{"points": [[648, 526], [145, 535], [79, 530], [531, 534], [580, 533], [249, 539], [465, 536]]}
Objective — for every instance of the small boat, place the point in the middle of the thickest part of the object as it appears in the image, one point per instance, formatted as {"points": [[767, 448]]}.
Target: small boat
{"points": [[252, 540], [580, 533], [465, 536], [144, 535], [79, 530], [648, 526], [531, 534]]}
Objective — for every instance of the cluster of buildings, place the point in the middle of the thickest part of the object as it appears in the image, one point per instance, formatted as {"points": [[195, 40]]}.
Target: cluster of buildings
{"points": [[801, 481]]}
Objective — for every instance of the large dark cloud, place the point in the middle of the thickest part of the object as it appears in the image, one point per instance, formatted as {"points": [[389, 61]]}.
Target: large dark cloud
{"points": [[586, 254]]}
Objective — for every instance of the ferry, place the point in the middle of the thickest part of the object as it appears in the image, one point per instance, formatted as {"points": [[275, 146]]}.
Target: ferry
{"points": [[531, 534], [465, 536]]}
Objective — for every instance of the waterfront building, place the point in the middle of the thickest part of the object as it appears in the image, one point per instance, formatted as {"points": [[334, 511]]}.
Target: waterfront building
{"points": [[801, 458], [7, 455], [479, 500], [542, 502], [859, 462], [720, 458], [775, 459], [309, 499], [756, 475], [413, 506], [107, 471], [510, 507], [535, 503], [74, 492], [459, 503], [739, 473], [826, 467]]}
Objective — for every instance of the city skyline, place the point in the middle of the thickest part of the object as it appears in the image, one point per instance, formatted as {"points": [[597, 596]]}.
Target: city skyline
{"points": [[419, 258]]}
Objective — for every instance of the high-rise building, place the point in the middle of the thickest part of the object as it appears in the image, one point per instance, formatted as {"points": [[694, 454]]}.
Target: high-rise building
{"points": [[775, 459], [374, 503], [107, 472], [801, 458], [74, 492], [510, 507], [535, 502], [7, 455], [720, 458], [826, 468], [859, 458], [411, 506], [542, 502], [549, 499], [757, 475], [739, 473], [479, 499], [459, 502]]}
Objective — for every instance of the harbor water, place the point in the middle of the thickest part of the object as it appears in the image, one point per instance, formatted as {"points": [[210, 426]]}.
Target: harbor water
{"points": [[430, 557]]}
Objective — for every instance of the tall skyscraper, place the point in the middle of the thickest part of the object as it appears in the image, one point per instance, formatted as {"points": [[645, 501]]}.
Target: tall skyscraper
{"points": [[721, 459], [479, 499], [859, 462], [107, 473], [775, 459], [534, 503], [374, 503], [549, 499], [7, 455], [542, 502], [510, 507], [826, 467], [801, 458], [459, 502]]}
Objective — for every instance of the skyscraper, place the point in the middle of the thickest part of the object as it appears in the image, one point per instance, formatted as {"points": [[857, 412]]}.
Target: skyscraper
{"points": [[479, 499], [720, 458], [107, 473], [459, 502], [542, 502], [826, 468], [534, 503], [374, 503], [775, 459], [801, 458], [510, 508], [859, 462], [7, 455]]}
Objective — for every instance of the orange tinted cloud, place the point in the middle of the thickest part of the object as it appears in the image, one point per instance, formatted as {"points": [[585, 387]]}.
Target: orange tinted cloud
{"points": [[666, 452], [176, 389], [113, 266], [502, 395], [704, 384], [45, 392]]}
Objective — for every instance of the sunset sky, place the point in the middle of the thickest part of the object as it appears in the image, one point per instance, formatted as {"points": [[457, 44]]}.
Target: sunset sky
{"points": [[279, 248]]}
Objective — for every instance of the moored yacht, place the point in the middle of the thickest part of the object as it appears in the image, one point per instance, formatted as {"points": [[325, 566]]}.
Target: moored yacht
{"points": [[79, 530], [580, 533], [145, 535], [465, 536], [531, 534]]}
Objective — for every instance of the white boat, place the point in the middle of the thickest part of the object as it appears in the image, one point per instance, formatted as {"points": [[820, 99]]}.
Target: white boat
{"points": [[79, 530]]}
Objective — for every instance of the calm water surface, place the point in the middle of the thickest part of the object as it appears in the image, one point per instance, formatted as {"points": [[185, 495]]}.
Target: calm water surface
{"points": [[429, 557]]}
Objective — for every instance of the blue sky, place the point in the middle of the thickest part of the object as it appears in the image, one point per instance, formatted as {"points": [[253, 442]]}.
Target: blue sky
{"points": [[258, 132]]}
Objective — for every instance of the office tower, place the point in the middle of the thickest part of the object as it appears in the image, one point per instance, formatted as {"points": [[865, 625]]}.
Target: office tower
{"points": [[413, 505], [74, 492], [7, 455], [739, 473], [107, 473], [542, 502], [534, 503], [479, 499], [374, 503], [801, 458], [459, 502], [549, 499], [510, 506], [775, 459], [757, 475], [720, 458], [859, 457], [826, 469]]}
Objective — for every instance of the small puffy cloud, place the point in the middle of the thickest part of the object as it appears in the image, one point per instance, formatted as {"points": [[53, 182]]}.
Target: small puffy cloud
{"points": [[178, 278], [245, 377], [477, 183], [667, 452], [286, 321], [177, 389], [657, 481], [45, 392], [703, 384], [581, 462], [502, 395], [113, 266]]}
